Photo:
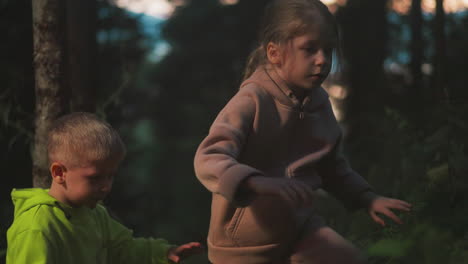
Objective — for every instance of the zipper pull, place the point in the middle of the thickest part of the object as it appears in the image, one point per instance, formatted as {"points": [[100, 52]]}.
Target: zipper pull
{"points": [[301, 115], [301, 112]]}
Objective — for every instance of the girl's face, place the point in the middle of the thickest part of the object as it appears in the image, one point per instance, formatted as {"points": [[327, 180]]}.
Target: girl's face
{"points": [[305, 61]]}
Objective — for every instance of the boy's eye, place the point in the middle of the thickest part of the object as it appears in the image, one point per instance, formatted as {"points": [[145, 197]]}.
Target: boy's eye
{"points": [[100, 177], [93, 178]]}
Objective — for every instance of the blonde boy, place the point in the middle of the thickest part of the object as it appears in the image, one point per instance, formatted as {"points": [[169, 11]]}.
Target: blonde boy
{"points": [[66, 224]]}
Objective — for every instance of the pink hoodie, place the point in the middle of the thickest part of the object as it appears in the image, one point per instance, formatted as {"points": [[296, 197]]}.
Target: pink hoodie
{"points": [[265, 130]]}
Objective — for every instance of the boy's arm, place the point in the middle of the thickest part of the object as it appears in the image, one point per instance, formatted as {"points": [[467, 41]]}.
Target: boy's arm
{"points": [[177, 254], [30, 247], [124, 248]]}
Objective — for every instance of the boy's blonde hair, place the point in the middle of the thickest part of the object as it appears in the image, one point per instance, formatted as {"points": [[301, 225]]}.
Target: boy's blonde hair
{"points": [[79, 138]]}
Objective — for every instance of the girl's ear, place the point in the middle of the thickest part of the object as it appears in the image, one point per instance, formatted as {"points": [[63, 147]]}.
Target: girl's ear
{"points": [[273, 53], [58, 172]]}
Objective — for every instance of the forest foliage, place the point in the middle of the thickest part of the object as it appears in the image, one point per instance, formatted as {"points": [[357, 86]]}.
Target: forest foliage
{"points": [[408, 145]]}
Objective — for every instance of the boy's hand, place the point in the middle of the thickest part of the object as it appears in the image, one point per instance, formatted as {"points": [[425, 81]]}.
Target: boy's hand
{"points": [[294, 192], [383, 205], [176, 254]]}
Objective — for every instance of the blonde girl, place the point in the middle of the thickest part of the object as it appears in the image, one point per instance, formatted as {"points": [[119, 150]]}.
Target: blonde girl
{"points": [[275, 143]]}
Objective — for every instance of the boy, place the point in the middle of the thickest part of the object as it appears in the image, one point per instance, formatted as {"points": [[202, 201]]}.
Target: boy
{"points": [[66, 224]]}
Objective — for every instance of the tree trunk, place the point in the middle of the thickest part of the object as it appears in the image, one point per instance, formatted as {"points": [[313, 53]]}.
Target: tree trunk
{"points": [[81, 54], [364, 50], [416, 51], [439, 90], [51, 101]]}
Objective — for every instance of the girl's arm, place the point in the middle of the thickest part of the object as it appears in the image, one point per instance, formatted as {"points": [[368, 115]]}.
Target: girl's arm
{"points": [[343, 182], [216, 160], [382, 205], [295, 193], [348, 186]]}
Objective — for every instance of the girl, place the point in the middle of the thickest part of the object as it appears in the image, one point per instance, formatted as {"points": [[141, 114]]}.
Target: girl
{"points": [[277, 141]]}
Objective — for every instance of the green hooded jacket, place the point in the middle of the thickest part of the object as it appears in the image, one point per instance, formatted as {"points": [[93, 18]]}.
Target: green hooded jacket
{"points": [[47, 231]]}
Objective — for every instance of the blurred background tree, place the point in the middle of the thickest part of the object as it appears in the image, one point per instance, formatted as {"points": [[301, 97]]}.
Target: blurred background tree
{"points": [[49, 66], [400, 98]]}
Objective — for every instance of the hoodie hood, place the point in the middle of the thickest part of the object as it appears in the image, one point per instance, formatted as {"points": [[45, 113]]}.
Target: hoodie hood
{"points": [[25, 199], [267, 78]]}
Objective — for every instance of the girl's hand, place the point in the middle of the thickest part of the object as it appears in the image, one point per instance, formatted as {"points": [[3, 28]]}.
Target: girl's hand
{"points": [[383, 205], [294, 192], [176, 254]]}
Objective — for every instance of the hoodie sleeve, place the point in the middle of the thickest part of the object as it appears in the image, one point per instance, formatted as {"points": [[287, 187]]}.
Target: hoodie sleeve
{"points": [[216, 160], [343, 182], [30, 246], [124, 248]]}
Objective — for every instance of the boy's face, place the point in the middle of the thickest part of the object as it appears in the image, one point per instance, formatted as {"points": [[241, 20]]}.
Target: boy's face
{"points": [[87, 185]]}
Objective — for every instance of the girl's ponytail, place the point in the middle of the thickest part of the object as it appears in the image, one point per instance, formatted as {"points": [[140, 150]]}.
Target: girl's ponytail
{"points": [[255, 59]]}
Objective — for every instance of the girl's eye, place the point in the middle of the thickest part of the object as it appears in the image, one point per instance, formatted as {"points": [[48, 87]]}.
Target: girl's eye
{"points": [[313, 50], [310, 50]]}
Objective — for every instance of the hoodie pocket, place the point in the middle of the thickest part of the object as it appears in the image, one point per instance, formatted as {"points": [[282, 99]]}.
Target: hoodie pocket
{"points": [[268, 220], [232, 226]]}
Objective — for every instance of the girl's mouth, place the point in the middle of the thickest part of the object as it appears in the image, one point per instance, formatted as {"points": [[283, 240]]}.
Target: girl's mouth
{"points": [[315, 76]]}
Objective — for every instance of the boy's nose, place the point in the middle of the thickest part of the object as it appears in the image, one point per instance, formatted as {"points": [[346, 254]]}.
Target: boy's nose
{"points": [[106, 186]]}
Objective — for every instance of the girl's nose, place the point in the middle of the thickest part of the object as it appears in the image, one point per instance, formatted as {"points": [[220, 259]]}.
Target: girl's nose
{"points": [[320, 57]]}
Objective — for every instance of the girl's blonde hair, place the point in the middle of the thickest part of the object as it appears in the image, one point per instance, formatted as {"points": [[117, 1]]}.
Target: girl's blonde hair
{"points": [[283, 20], [79, 138]]}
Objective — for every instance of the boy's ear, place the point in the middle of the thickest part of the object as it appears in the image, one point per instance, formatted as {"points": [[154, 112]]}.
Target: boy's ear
{"points": [[58, 171], [273, 53]]}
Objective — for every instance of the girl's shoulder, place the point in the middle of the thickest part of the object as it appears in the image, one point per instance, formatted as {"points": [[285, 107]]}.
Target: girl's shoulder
{"points": [[258, 84], [252, 86], [255, 90]]}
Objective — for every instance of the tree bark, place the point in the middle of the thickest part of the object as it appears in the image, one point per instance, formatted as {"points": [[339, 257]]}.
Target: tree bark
{"points": [[51, 98], [416, 51], [439, 90], [364, 28]]}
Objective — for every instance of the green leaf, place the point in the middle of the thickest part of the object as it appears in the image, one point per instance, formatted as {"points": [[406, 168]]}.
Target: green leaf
{"points": [[440, 136], [439, 173], [389, 248]]}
